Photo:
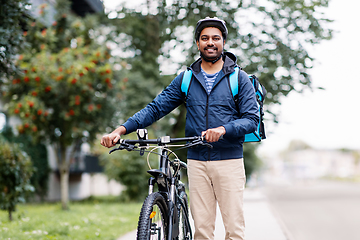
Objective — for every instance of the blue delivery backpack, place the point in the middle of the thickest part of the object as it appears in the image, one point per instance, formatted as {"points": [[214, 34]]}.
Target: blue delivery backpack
{"points": [[260, 92]]}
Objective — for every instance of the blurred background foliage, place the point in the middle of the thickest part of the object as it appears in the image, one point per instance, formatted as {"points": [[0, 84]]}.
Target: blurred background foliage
{"points": [[144, 45], [39, 158], [14, 15], [15, 173]]}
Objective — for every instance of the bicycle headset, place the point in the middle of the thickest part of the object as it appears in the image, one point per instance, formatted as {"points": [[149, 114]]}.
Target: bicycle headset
{"points": [[211, 22]]}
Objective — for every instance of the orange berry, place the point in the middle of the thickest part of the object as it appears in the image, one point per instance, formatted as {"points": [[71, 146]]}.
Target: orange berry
{"points": [[31, 104]]}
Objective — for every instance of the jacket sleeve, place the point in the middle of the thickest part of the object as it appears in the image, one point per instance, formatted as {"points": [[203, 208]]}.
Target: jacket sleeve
{"points": [[170, 98], [247, 108]]}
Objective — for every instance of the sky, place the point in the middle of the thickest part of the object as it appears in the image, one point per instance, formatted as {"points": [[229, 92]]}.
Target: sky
{"points": [[324, 119]]}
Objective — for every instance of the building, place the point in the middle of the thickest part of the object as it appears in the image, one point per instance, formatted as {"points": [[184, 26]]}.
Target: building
{"points": [[309, 164]]}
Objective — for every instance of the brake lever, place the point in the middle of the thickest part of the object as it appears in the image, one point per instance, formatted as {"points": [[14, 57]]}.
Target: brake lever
{"points": [[113, 150], [128, 147], [199, 142], [207, 144]]}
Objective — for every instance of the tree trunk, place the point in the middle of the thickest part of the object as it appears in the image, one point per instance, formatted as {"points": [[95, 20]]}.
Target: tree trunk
{"points": [[64, 184], [10, 215], [64, 154]]}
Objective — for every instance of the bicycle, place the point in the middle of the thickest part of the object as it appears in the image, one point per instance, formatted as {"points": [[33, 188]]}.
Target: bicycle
{"points": [[164, 214]]}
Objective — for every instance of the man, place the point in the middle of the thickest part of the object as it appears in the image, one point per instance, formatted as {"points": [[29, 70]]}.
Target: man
{"points": [[216, 175]]}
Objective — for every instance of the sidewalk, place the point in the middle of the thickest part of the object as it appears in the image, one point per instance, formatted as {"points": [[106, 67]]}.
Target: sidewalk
{"points": [[261, 222]]}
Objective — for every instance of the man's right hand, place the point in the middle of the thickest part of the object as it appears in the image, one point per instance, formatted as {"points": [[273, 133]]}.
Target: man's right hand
{"points": [[110, 140]]}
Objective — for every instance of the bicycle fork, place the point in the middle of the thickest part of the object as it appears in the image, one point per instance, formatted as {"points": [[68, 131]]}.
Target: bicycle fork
{"points": [[173, 213]]}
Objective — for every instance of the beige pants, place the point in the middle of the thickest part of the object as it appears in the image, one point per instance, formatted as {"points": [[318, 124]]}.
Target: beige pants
{"points": [[217, 181]]}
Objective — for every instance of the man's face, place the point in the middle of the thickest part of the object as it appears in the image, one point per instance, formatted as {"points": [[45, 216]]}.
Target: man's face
{"points": [[211, 42]]}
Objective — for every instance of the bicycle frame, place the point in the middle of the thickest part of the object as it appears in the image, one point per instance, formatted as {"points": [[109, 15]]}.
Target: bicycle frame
{"points": [[166, 181]]}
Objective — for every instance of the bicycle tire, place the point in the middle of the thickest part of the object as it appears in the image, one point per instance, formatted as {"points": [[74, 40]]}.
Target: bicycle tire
{"points": [[153, 218], [183, 212]]}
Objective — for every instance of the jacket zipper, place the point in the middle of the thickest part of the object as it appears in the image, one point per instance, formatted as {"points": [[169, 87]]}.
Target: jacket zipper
{"points": [[207, 119], [207, 113]]}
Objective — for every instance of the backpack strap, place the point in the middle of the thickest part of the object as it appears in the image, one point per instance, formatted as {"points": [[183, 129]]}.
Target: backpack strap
{"points": [[185, 83], [234, 82]]}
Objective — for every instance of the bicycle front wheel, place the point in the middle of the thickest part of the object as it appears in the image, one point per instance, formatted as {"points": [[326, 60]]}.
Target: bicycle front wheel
{"points": [[153, 218]]}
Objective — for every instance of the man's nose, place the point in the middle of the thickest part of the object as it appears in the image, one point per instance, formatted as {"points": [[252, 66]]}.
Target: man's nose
{"points": [[210, 42]]}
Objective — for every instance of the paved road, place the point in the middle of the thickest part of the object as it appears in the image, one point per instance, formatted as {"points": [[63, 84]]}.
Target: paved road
{"points": [[318, 210]]}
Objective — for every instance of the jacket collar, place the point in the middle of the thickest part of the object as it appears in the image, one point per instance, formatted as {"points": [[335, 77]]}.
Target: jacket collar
{"points": [[228, 67]]}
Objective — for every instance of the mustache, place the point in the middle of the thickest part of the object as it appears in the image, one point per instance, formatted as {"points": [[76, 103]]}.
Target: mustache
{"points": [[214, 48]]}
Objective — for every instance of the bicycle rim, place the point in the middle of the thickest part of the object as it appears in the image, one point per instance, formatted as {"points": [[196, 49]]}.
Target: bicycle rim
{"points": [[153, 218]]}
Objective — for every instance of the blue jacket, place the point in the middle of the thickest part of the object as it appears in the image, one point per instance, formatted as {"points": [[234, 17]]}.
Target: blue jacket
{"points": [[206, 111]]}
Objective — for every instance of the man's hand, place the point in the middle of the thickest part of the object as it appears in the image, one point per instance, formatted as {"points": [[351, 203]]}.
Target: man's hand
{"points": [[110, 140], [213, 134]]}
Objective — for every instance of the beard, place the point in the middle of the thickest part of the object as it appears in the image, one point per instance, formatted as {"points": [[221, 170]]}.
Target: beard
{"points": [[210, 57]]}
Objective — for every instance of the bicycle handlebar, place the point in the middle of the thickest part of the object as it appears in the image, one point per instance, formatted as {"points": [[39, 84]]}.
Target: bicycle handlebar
{"points": [[130, 144], [159, 141]]}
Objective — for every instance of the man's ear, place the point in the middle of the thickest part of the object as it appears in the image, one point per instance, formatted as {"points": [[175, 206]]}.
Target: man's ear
{"points": [[197, 43]]}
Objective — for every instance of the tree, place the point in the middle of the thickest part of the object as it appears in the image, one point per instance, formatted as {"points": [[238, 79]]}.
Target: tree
{"points": [[66, 94], [13, 15], [271, 40], [15, 173], [38, 155]]}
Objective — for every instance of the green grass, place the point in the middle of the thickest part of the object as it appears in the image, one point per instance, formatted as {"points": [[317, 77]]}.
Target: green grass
{"points": [[92, 219]]}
